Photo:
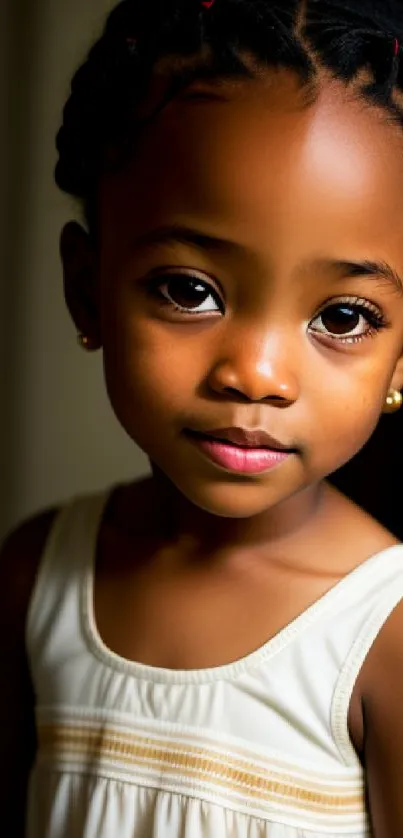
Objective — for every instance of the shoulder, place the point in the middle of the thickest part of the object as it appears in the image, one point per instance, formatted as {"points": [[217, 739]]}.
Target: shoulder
{"points": [[20, 556], [375, 718], [380, 687], [384, 663]]}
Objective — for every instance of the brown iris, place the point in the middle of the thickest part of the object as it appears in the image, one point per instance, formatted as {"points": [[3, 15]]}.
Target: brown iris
{"points": [[340, 319], [188, 292]]}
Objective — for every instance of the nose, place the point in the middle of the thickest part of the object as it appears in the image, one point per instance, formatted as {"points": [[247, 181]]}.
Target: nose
{"points": [[255, 368]]}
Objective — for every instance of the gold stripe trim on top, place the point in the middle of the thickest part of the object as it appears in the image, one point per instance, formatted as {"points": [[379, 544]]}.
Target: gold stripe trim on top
{"points": [[194, 742], [228, 774]]}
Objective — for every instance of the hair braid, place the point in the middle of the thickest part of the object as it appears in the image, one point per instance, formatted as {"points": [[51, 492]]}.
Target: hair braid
{"points": [[102, 114]]}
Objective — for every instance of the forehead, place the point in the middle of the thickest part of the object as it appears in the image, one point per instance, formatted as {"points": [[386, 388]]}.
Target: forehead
{"points": [[267, 168]]}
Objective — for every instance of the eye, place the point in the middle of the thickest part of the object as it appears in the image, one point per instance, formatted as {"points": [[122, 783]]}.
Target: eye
{"points": [[188, 294], [349, 321]]}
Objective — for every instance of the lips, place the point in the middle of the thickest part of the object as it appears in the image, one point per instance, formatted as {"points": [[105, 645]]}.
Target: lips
{"points": [[244, 438], [240, 451]]}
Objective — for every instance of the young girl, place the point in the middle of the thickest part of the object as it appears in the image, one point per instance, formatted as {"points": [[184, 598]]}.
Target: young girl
{"points": [[216, 651]]}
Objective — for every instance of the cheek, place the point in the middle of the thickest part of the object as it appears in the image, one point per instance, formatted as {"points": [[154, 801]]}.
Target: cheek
{"points": [[345, 420], [148, 373]]}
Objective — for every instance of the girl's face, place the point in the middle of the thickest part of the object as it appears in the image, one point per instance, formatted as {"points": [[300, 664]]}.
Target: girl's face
{"points": [[251, 314]]}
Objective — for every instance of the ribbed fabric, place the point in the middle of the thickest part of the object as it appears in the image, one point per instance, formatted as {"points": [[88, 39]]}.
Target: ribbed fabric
{"points": [[256, 749]]}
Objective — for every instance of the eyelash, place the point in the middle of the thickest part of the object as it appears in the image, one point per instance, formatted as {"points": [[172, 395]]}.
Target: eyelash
{"points": [[374, 316]]}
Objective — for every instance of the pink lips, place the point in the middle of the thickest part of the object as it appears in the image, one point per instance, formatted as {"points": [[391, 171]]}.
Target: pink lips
{"points": [[241, 451]]}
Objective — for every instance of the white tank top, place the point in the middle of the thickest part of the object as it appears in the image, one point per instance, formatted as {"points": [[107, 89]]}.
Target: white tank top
{"points": [[255, 749]]}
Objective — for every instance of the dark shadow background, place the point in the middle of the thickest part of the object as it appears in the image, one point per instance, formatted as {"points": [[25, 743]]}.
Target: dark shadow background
{"points": [[373, 478], [58, 435]]}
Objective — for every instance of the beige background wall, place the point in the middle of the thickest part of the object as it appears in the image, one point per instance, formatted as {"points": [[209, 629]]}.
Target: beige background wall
{"points": [[58, 433]]}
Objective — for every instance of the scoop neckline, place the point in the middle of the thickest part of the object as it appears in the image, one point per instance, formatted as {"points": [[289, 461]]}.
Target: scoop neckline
{"points": [[226, 672]]}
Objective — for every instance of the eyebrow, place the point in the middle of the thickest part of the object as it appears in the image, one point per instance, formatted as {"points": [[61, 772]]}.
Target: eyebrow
{"points": [[367, 268], [182, 234]]}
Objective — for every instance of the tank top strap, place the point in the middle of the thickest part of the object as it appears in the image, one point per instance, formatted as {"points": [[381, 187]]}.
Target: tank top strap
{"points": [[69, 553], [381, 591]]}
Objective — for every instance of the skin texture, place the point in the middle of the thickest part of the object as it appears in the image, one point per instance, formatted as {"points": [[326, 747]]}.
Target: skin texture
{"points": [[235, 559]]}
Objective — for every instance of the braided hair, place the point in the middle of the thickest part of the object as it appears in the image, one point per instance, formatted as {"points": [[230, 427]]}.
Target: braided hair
{"points": [[182, 41]]}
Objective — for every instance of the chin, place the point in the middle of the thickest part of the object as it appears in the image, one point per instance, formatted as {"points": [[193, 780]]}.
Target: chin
{"points": [[241, 499]]}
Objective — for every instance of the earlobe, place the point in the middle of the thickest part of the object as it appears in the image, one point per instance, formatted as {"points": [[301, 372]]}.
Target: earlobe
{"points": [[81, 281], [397, 380], [394, 398]]}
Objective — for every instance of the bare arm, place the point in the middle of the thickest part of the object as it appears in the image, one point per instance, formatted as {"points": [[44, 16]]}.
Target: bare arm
{"points": [[383, 726], [19, 559]]}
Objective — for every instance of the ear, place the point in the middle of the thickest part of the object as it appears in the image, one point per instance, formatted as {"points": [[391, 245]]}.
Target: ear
{"points": [[81, 287], [397, 380]]}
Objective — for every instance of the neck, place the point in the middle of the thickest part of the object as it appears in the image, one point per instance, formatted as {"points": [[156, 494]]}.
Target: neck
{"points": [[180, 521]]}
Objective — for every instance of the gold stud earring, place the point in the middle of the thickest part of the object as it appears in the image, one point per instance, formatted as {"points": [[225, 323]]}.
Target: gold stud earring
{"points": [[394, 401], [86, 343]]}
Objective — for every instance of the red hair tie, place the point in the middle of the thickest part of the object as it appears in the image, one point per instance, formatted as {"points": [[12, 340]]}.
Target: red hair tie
{"points": [[397, 46]]}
